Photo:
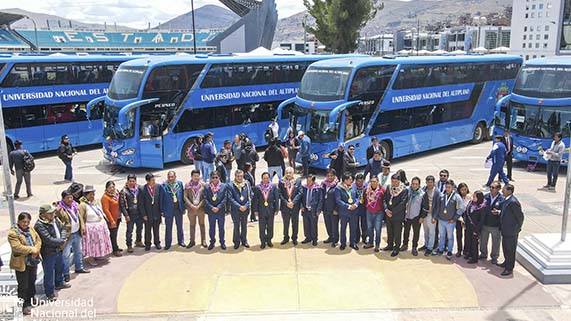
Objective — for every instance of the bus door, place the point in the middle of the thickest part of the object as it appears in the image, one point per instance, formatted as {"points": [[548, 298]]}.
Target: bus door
{"points": [[502, 113], [151, 143], [352, 134]]}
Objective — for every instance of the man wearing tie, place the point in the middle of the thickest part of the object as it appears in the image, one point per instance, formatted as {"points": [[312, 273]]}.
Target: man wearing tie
{"points": [[491, 223], [172, 202], [290, 202], [444, 175], [509, 143], [151, 211], [239, 195], [511, 221], [312, 203], [215, 203], [374, 147], [350, 163], [265, 205]]}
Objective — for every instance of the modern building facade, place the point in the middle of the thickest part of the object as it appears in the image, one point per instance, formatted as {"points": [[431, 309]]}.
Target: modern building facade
{"points": [[541, 28]]}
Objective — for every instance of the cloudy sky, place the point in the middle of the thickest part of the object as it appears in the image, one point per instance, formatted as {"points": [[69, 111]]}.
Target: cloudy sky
{"points": [[133, 13]]}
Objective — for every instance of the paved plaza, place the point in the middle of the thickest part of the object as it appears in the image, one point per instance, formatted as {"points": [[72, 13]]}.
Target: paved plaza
{"points": [[307, 283]]}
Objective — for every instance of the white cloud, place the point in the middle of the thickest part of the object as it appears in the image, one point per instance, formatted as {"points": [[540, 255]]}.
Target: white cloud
{"points": [[133, 13]]}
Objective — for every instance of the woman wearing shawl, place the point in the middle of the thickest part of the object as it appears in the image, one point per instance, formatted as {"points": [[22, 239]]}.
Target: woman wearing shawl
{"points": [[330, 215], [395, 205], [25, 257], [96, 242], [473, 221], [374, 196], [194, 202], [110, 206]]}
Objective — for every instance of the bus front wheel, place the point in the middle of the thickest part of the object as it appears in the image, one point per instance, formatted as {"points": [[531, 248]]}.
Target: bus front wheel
{"points": [[186, 153], [386, 150], [479, 133]]}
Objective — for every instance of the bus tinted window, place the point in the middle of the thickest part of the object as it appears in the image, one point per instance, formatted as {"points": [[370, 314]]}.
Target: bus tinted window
{"points": [[371, 80], [198, 119], [324, 84], [50, 74], [230, 75], [30, 116], [96, 72], [544, 82], [19, 76], [126, 82], [449, 74], [403, 119], [172, 78]]}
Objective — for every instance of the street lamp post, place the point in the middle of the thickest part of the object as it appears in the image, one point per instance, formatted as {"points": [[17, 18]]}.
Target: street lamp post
{"points": [[567, 194], [6, 169], [35, 32], [193, 26]]}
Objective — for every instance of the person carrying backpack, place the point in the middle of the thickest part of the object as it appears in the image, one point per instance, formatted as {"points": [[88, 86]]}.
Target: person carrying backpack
{"points": [[21, 165]]}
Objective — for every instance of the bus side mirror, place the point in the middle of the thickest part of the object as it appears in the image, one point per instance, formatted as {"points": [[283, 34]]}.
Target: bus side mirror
{"points": [[502, 102]]}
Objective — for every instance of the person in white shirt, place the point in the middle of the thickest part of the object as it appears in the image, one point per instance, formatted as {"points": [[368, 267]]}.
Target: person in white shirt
{"points": [[554, 154]]}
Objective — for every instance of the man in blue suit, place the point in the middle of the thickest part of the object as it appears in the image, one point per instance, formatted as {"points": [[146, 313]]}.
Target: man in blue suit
{"points": [[215, 197], [498, 157], [240, 195], [312, 205], [511, 221], [348, 203], [173, 208]]}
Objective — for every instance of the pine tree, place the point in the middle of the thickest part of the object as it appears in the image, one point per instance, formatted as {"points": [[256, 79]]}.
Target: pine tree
{"points": [[338, 22]]}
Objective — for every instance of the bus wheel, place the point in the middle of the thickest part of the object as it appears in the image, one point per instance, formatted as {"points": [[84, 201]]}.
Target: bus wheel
{"points": [[185, 153], [479, 133], [386, 150]]}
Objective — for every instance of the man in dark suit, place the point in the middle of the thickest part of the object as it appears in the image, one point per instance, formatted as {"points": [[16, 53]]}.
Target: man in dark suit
{"points": [[491, 223], [511, 221], [150, 208], [172, 202], [350, 163], [215, 197], [508, 141], [312, 204], [374, 147], [129, 207], [239, 196], [290, 202], [266, 205]]}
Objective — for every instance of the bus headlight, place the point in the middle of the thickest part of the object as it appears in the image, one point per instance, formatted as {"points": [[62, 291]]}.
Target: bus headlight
{"points": [[127, 152], [518, 149], [524, 150], [313, 157]]}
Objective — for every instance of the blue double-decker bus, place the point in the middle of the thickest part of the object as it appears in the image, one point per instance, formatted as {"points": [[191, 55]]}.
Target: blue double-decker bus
{"points": [[44, 97], [539, 107], [156, 107], [411, 104]]}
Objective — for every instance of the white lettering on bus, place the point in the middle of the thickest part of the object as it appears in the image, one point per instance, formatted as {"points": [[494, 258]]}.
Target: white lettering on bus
{"points": [[54, 94], [430, 95]]}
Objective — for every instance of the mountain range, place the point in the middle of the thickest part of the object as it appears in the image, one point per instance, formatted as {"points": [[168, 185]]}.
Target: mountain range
{"points": [[395, 15]]}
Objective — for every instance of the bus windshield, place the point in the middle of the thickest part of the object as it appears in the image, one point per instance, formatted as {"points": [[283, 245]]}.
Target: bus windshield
{"points": [[112, 129], [540, 121], [126, 82], [314, 123], [324, 84], [544, 82]]}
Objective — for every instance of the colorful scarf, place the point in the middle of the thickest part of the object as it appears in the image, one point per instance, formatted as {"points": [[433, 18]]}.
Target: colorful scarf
{"points": [[72, 211], [396, 190]]}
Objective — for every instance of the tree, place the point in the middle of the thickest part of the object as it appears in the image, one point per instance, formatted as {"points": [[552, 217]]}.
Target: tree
{"points": [[338, 22]]}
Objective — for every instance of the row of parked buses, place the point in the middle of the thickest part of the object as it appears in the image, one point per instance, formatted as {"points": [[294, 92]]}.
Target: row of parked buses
{"points": [[147, 111]]}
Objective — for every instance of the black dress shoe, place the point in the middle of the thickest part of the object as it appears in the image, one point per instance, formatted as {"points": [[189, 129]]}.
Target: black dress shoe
{"points": [[167, 247], [181, 244], [333, 244], [395, 253], [158, 247], [354, 247], [306, 241], [270, 244], [147, 248], [191, 244], [314, 243], [284, 242], [414, 252], [294, 242], [423, 248], [403, 248], [506, 273], [387, 248], [472, 261], [501, 264], [236, 246], [211, 246], [63, 286], [459, 254], [327, 241], [66, 278], [82, 271], [377, 249], [342, 247], [263, 245], [246, 245], [223, 246]]}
